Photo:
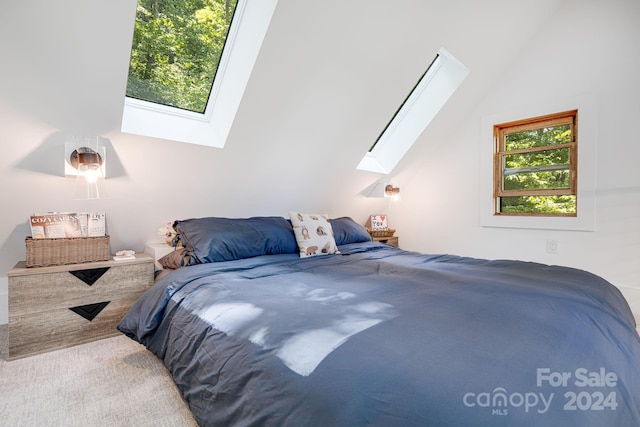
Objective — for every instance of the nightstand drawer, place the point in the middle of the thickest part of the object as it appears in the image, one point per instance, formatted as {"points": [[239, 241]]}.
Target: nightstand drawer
{"points": [[35, 333], [393, 240], [60, 306], [37, 292]]}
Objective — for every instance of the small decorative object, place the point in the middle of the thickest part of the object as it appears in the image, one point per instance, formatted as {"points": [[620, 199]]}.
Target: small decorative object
{"points": [[124, 255], [377, 226], [377, 223], [167, 233]]}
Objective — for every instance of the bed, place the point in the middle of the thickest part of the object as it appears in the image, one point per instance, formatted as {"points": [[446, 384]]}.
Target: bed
{"points": [[258, 330]]}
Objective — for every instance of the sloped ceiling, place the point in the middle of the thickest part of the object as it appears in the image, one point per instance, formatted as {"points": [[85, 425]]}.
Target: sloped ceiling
{"points": [[331, 74], [329, 77], [331, 71]]}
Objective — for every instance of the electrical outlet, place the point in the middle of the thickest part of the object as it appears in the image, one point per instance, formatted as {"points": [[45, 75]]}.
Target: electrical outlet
{"points": [[552, 246]]}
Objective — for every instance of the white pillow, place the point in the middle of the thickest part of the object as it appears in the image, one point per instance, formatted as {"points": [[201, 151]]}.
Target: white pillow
{"points": [[313, 233]]}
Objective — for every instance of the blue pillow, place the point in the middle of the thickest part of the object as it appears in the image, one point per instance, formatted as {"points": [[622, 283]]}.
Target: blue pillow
{"points": [[346, 230], [224, 239]]}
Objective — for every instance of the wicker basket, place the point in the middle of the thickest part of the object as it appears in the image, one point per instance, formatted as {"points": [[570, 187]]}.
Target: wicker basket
{"points": [[382, 233], [74, 250]]}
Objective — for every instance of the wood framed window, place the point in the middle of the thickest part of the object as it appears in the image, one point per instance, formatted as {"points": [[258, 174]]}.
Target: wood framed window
{"points": [[535, 166]]}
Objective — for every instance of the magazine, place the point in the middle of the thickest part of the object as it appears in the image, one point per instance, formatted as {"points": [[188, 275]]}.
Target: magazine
{"points": [[52, 225], [95, 224]]}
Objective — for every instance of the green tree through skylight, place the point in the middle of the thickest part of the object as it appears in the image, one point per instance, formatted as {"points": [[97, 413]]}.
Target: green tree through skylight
{"points": [[176, 50]]}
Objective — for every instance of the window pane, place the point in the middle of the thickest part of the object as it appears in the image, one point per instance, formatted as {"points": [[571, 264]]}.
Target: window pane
{"points": [[177, 46], [538, 137], [564, 205], [537, 180], [537, 170]]}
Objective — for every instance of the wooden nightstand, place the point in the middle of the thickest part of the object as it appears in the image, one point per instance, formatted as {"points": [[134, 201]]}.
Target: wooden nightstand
{"points": [[61, 306], [393, 240]]}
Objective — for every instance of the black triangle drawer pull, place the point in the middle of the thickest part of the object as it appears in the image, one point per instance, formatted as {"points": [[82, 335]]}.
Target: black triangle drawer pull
{"points": [[89, 311], [91, 275]]}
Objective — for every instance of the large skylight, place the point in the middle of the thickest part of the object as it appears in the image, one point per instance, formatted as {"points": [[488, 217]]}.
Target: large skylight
{"points": [[176, 51], [187, 122], [433, 90]]}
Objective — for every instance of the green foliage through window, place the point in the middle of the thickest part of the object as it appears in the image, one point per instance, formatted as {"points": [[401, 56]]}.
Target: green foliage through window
{"points": [[541, 169], [177, 47], [548, 205], [536, 166]]}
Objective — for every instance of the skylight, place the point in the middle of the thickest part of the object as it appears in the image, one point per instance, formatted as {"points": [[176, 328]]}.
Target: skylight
{"points": [[176, 51], [430, 94], [182, 117]]}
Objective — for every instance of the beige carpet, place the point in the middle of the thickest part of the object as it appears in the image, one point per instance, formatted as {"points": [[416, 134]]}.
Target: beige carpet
{"points": [[111, 382]]}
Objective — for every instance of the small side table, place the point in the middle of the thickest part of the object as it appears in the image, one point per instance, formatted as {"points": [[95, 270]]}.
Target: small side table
{"points": [[157, 251], [393, 240]]}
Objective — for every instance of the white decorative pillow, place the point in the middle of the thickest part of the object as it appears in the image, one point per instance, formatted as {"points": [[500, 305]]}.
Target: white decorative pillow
{"points": [[314, 234]]}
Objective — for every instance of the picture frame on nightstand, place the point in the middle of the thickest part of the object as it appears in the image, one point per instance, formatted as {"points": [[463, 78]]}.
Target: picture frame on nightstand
{"points": [[377, 222], [378, 228]]}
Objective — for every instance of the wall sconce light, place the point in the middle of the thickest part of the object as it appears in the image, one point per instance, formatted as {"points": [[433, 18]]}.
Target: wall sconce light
{"points": [[87, 161], [383, 189], [391, 191]]}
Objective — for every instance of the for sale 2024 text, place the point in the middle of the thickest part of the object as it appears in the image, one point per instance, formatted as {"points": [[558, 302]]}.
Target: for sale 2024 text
{"points": [[582, 378], [584, 390]]}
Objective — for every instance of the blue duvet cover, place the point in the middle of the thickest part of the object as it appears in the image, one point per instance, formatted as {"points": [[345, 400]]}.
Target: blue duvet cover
{"points": [[378, 336]]}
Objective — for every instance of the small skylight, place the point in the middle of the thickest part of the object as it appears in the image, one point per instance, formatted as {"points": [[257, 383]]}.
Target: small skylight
{"points": [[430, 94], [203, 116]]}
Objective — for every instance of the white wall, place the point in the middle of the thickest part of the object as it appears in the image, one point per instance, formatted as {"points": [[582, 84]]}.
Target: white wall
{"points": [[588, 47]]}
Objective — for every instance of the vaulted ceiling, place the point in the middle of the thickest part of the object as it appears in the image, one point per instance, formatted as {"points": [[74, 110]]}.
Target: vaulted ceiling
{"points": [[330, 72]]}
